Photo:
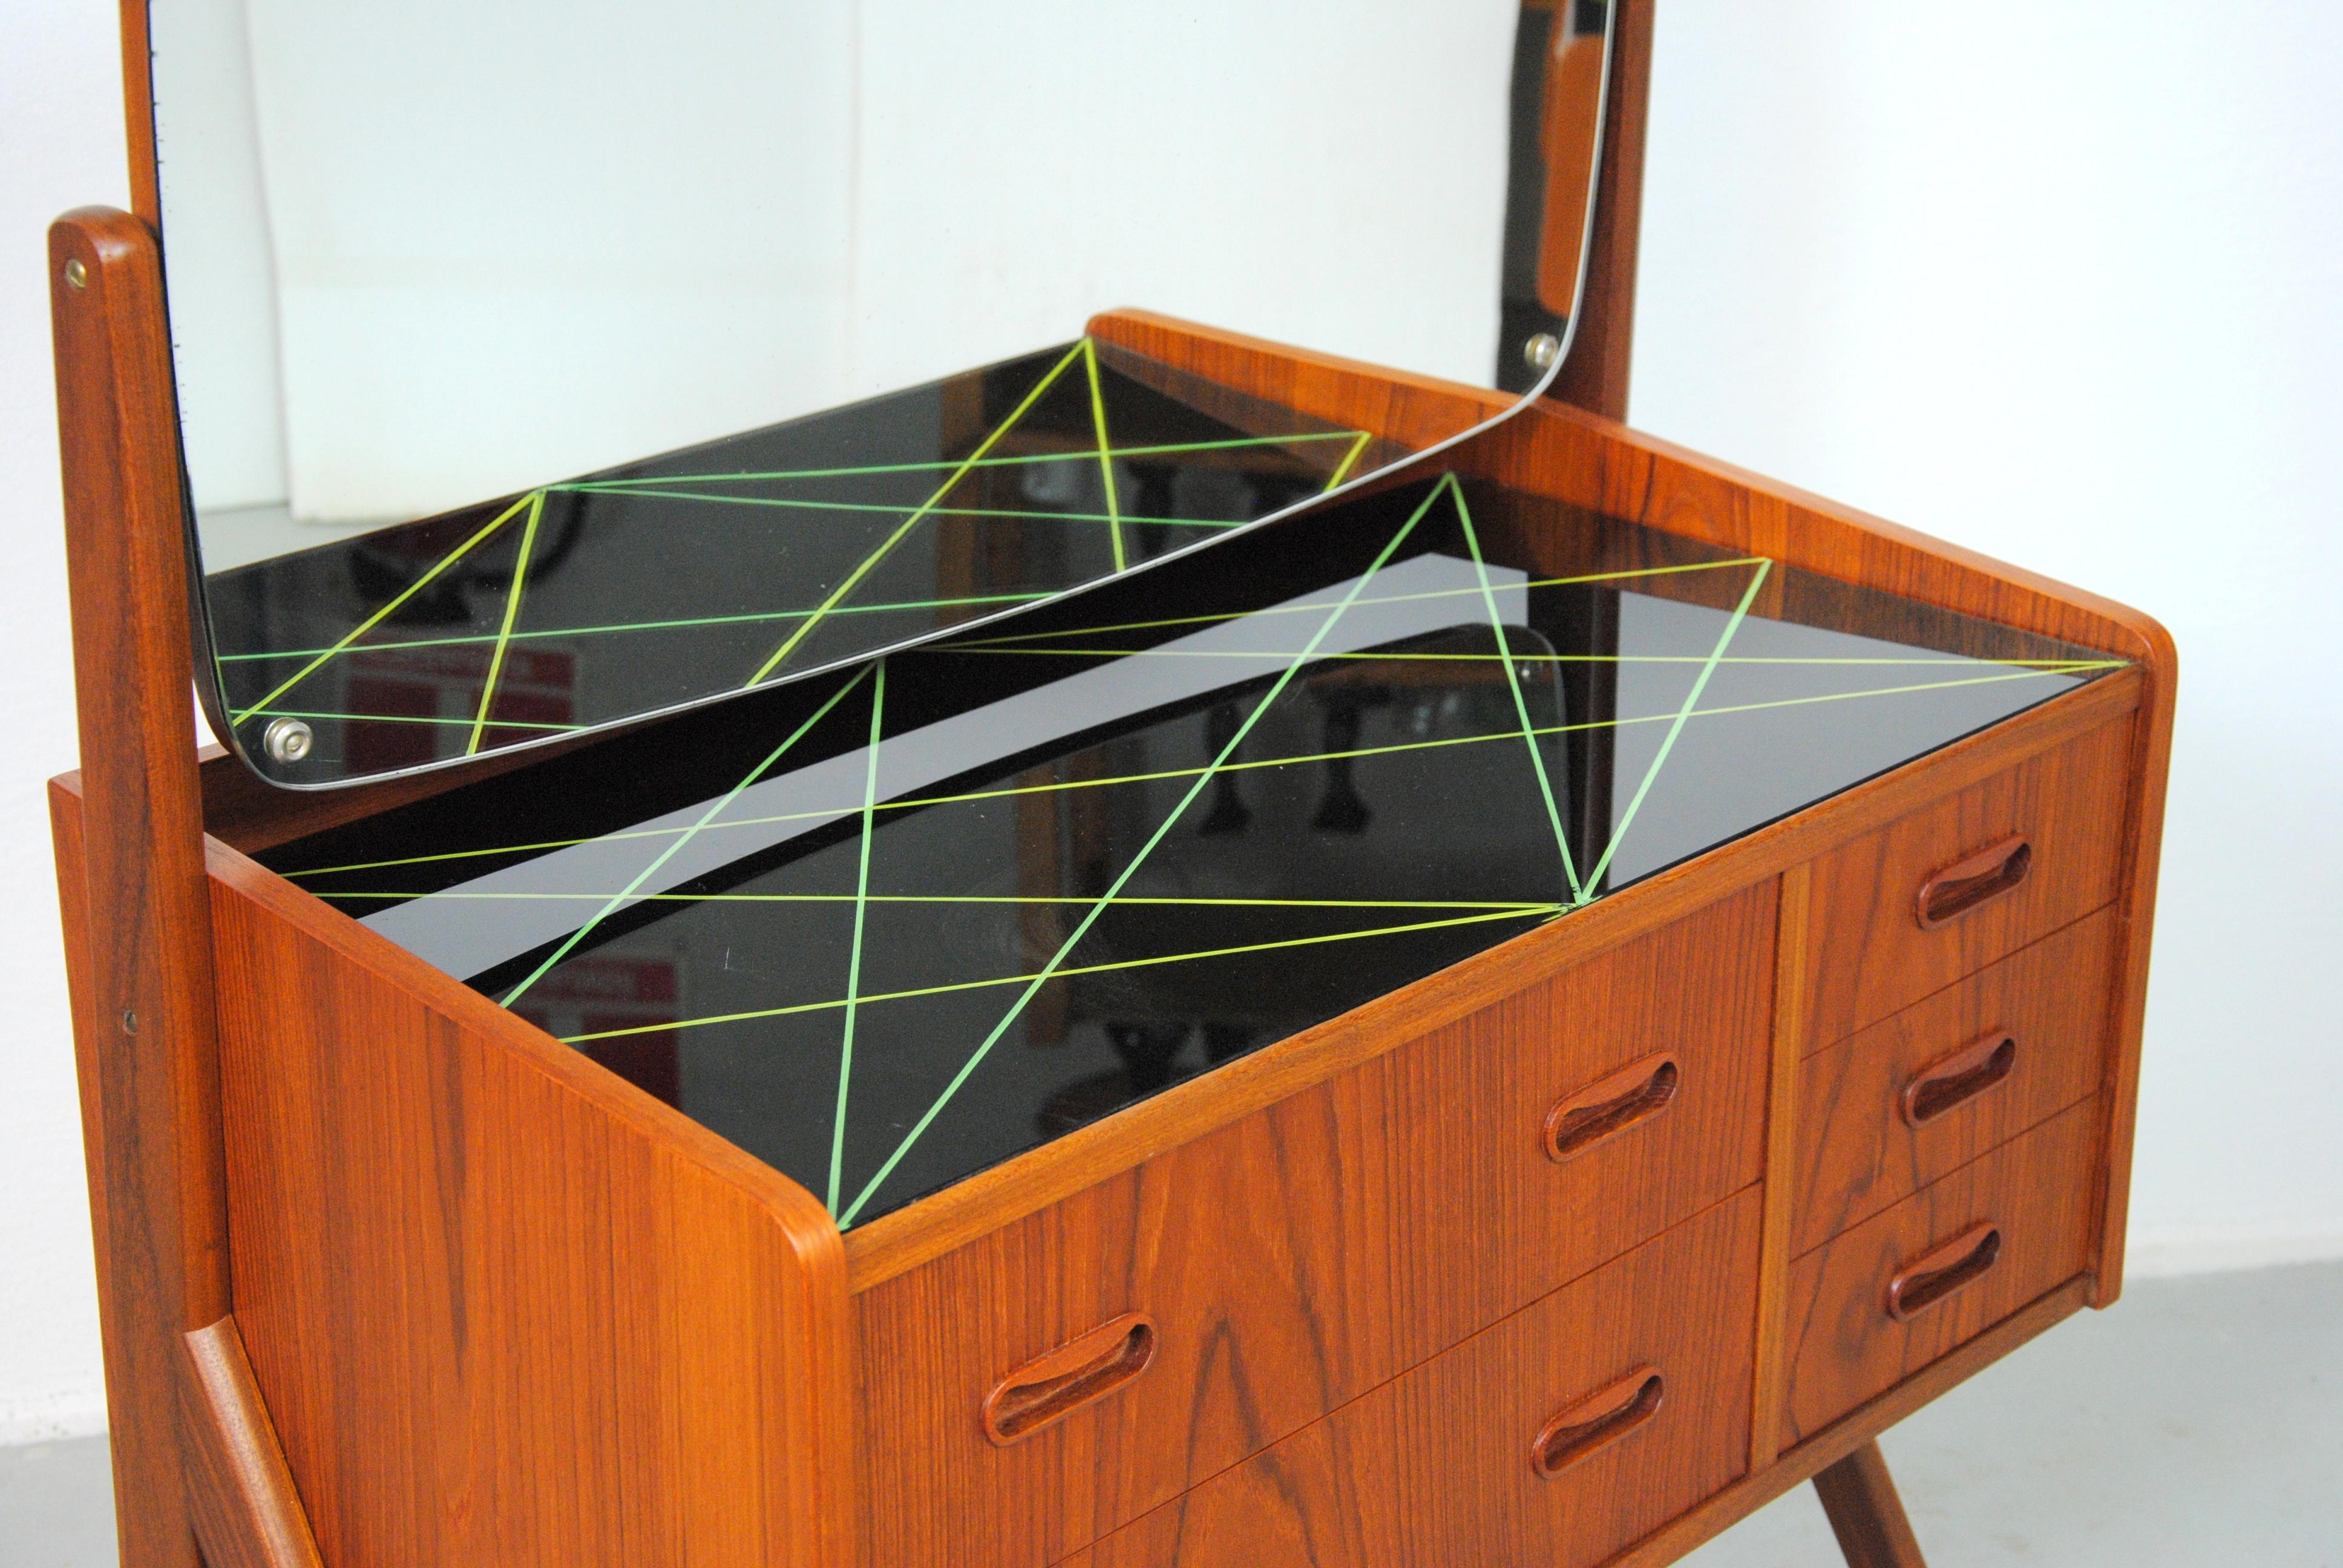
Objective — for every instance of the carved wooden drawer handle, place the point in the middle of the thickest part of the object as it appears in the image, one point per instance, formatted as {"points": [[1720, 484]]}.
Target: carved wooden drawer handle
{"points": [[1050, 1388], [1596, 1421], [1610, 1105], [1952, 1082], [1974, 882], [1934, 1275]]}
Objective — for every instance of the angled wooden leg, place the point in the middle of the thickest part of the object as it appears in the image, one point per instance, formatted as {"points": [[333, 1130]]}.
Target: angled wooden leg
{"points": [[1865, 1512]]}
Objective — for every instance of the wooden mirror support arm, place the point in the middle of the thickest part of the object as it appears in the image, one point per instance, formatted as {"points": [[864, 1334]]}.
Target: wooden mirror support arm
{"points": [[246, 1512], [1594, 376], [135, 902]]}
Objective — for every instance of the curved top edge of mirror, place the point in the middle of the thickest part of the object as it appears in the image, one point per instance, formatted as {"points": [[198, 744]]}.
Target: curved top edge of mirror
{"points": [[393, 293]]}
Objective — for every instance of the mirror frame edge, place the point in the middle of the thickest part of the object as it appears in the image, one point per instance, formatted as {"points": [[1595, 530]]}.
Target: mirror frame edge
{"points": [[1594, 368]]}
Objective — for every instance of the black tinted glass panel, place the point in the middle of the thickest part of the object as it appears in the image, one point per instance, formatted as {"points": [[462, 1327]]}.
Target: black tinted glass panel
{"points": [[890, 926]]}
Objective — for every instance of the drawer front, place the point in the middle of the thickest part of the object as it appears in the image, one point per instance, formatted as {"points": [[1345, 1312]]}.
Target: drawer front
{"points": [[1940, 1268], [1919, 1095], [2003, 863], [1286, 1263], [1646, 1365]]}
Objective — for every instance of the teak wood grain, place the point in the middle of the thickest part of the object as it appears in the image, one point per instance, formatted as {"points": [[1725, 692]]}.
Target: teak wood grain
{"points": [[1436, 1466], [1570, 455], [1800, 1464], [130, 866], [1783, 1122], [505, 1308], [1871, 956], [984, 1202], [1866, 1514], [247, 1513], [1311, 1252], [1857, 1153], [1551, 449], [1845, 1347]]}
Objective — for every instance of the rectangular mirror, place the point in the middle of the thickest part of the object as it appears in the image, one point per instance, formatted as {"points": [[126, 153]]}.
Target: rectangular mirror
{"points": [[547, 367]]}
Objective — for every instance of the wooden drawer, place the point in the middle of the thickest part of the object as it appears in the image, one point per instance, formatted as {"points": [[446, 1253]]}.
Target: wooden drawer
{"points": [[1868, 949], [1291, 1261], [1916, 1096], [2024, 1211], [1443, 1466]]}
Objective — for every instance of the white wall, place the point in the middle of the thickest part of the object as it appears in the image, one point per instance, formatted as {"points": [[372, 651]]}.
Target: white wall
{"points": [[486, 246], [2070, 291], [216, 211], [60, 146], [2066, 294], [1323, 172]]}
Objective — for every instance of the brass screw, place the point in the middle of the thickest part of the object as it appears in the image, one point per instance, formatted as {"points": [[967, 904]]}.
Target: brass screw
{"points": [[77, 274], [1541, 351]]}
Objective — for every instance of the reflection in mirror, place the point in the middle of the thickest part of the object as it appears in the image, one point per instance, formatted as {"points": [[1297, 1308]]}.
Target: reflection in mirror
{"points": [[543, 366]]}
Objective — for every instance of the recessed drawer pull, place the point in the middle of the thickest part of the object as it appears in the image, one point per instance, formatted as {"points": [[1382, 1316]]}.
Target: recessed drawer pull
{"points": [[1634, 1093], [1970, 884], [1952, 1082], [1051, 1387], [1930, 1278], [1598, 1421]]}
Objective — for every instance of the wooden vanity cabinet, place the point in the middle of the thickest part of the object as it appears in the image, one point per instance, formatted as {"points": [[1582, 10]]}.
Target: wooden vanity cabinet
{"points": [[1577, 1250], [1355, 1309]]}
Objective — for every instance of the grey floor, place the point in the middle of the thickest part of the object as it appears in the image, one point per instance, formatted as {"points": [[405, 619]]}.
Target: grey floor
{"points": [[2199, 1423]]}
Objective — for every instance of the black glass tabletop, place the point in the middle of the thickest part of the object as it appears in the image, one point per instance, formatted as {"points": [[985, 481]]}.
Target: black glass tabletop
{"points": [[752, 559], [891, 925]]}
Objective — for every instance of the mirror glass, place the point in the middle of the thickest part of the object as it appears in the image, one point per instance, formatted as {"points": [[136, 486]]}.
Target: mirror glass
{"points": [[547, 367]]}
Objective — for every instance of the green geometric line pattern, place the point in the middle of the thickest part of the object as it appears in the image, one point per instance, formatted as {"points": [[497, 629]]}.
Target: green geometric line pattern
{"points": [[1514, 687], [690, 621], [367, 625], [886, 547], [1199, 901], [1106, 463], [2048, 666], [1392, 748], [798, 503], [1343, 469], [799, 623], [1417, 598], [1131, 869], [549, 728], [504, 632], [1063, 972], [684, 838], [1359, 438], [1690, 701], [854, 953]]}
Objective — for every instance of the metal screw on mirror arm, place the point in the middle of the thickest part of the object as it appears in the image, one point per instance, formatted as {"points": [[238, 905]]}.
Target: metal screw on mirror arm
{"points": [[1541, 351], [77, 274], [287, 739]]}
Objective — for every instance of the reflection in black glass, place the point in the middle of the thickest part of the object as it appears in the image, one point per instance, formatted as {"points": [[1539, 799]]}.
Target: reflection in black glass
{"points": [[759, 557], [892, 925]]}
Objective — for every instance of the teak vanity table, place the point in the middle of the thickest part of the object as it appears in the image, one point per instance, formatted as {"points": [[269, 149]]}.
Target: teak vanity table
{"points": [[1512, 995]]}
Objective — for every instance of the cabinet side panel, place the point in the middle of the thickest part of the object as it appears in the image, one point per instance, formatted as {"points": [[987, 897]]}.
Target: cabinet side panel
{"points": [[499, 1313]]}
